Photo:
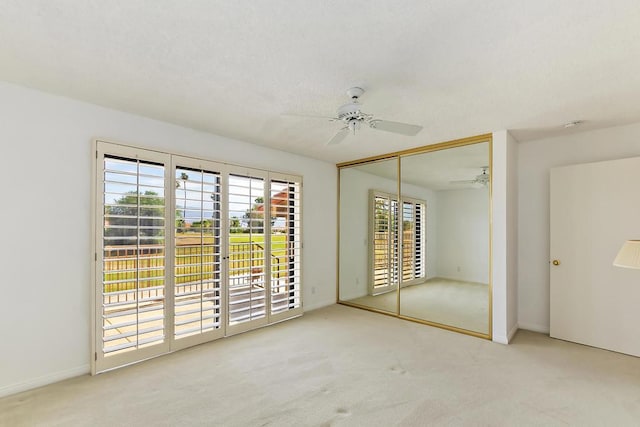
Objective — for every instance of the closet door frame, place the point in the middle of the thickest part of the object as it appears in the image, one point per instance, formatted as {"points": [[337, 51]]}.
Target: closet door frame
{"points": [[349, 279]]}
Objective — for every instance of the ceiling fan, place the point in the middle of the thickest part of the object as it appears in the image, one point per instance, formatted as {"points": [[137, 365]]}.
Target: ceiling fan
{"points": [[482, 179], [353, 118]]}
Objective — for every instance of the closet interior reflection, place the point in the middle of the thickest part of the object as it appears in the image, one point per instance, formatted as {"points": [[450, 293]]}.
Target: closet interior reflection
{"points": [[414, 237]]}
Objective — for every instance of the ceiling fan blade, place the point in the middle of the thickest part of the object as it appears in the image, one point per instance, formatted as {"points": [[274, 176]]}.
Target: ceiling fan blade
{"points": [[396, 127], [338, 137], [468, 181], [308, 116]]}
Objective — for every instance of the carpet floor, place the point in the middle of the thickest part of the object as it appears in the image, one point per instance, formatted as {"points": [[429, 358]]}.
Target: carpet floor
{"points": [[348, 367]]}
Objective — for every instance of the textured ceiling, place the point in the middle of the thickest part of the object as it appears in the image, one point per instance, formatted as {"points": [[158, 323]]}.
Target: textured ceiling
{"points": [[457, 67]]}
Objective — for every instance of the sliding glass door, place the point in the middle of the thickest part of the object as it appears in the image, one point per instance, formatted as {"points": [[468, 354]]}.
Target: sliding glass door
{"points": [[286, 246], [132, 274], [188, 251], [198, 292], [264, 281], [247, 252]]}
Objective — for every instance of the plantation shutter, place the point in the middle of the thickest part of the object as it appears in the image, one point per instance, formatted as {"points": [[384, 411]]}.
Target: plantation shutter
{"points": [[408, 241], [382, 256], [198, 295], [386, 216], [131, 269], [419, 240], [247, 275], [286, 245], [394, 230], [413, 238]]}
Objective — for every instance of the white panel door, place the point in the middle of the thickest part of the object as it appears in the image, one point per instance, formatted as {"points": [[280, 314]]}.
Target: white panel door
{"points": [[595, 207]]}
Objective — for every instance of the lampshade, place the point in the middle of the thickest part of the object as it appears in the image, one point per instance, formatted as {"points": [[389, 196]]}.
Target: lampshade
{"points": [[629, 255]]}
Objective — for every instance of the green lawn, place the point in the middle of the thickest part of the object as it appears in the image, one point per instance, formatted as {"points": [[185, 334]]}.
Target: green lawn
{"points": [[194, 260]]}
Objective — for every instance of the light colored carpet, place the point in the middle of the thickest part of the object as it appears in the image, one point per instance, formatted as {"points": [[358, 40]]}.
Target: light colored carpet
{"points": [[344, 366], [449, 302]]}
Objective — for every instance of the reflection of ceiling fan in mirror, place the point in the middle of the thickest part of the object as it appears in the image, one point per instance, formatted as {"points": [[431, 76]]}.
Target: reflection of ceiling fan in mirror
{"points": [[480, 180], [352, 119]]}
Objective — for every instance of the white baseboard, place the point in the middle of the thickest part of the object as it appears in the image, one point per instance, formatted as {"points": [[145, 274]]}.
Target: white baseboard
{"points": [[500, 339], [512, 332], [505, 339], [318, 305], [534, 327], [54, 377]]}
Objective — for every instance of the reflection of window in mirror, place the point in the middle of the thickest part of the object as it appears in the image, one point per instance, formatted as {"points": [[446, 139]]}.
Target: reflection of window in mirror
{"points": [[413, 215], [384, 256]]}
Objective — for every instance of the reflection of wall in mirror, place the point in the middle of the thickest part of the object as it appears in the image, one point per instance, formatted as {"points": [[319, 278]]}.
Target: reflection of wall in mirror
{"points": [[353, 233], [354, 228], [463, 235]]}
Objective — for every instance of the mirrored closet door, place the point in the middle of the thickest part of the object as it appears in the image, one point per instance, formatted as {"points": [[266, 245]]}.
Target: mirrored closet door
{"points": [[369, 247], [414, 237]]}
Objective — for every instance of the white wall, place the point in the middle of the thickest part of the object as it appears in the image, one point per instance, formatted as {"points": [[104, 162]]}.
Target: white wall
{"points": [[354, 227], [512, 237], [463, 234], [45, 253], [535, 158], [504, 235]]}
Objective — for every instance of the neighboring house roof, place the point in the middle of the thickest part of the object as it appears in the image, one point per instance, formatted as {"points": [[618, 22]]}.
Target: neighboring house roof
{"points": [[279, 204]]}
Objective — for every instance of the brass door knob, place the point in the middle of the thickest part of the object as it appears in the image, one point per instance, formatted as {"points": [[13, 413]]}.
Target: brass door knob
{"points": [[555, 262]]}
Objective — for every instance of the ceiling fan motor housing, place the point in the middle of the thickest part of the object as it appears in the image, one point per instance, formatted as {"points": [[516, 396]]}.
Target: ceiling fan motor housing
{"points": [[348, 110], [350, 113], [352, 117]]}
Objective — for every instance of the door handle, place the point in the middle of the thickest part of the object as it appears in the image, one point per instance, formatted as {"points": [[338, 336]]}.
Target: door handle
{"points": [[555, 262]]}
